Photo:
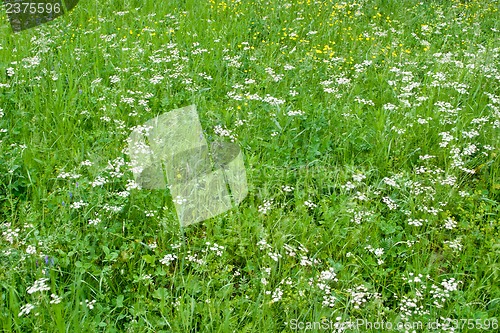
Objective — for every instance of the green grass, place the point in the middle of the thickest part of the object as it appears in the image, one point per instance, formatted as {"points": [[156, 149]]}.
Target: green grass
{"points": [[392, 167]]}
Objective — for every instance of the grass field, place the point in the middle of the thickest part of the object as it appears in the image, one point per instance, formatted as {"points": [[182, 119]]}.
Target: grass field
{"points": [[371, 135]]}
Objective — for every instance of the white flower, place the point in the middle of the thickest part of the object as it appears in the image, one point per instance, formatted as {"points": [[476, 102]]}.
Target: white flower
{"points": [[378, 252], [216, 248], [328, 275], [179, 200], [349, 186], [390, 203], [95, 221], [358, 177], [277, 294], [39, 285], [310, 204], [450, 285], [455, 245], [275, 256], [450, 223], [55, 299], [416, 222], [78, 204], [26, 309], [89, 304], [265, 207], [329, 301], [30, 249], [168, 258], [296, 113], [150, 213], [99, 181]]}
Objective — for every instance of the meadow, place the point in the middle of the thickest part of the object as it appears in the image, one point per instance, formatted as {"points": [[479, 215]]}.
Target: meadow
{"points": [[371, 135]]}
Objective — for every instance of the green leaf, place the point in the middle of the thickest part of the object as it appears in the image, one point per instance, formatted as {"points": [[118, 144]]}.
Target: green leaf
{"points": [[161, 293], [119, 301], [149, 259]]}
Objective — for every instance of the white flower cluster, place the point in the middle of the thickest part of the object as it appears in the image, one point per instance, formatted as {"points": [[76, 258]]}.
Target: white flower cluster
{"points": [[26, 309], [390, 203], [167, 259], [455, 245], [218, 249], [194, 258], [39, 285], [11, 234], [360, 295], [417, 222], [295, 113], [450, 223], [55, 299], [78, 204], [265, 207], [89, 304], [224, 132], [310, 204]]}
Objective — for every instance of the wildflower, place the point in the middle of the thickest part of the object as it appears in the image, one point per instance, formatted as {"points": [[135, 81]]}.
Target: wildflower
{"points": [[328, 275], [290, 250], [95, 221], [99, 181], [55, 299], [329, 301], [359, 296], [39, 285], [349, 186], [296, 113], [390, 203], [309, 204], [277, 295], [390, 182], [218, 249], [450, 223], [150, 213], [30, 249], [180, 200], [262, 244], [306, 261], [89, 304], [194, 258], [275, 256], [224, 132], [416, 222], [358, 177], [264, 208], [455, 245], [359, 216], [78, 204], [26, 309]]}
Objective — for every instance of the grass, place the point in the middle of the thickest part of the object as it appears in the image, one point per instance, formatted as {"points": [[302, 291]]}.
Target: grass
{"points": [[371, 135]]}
